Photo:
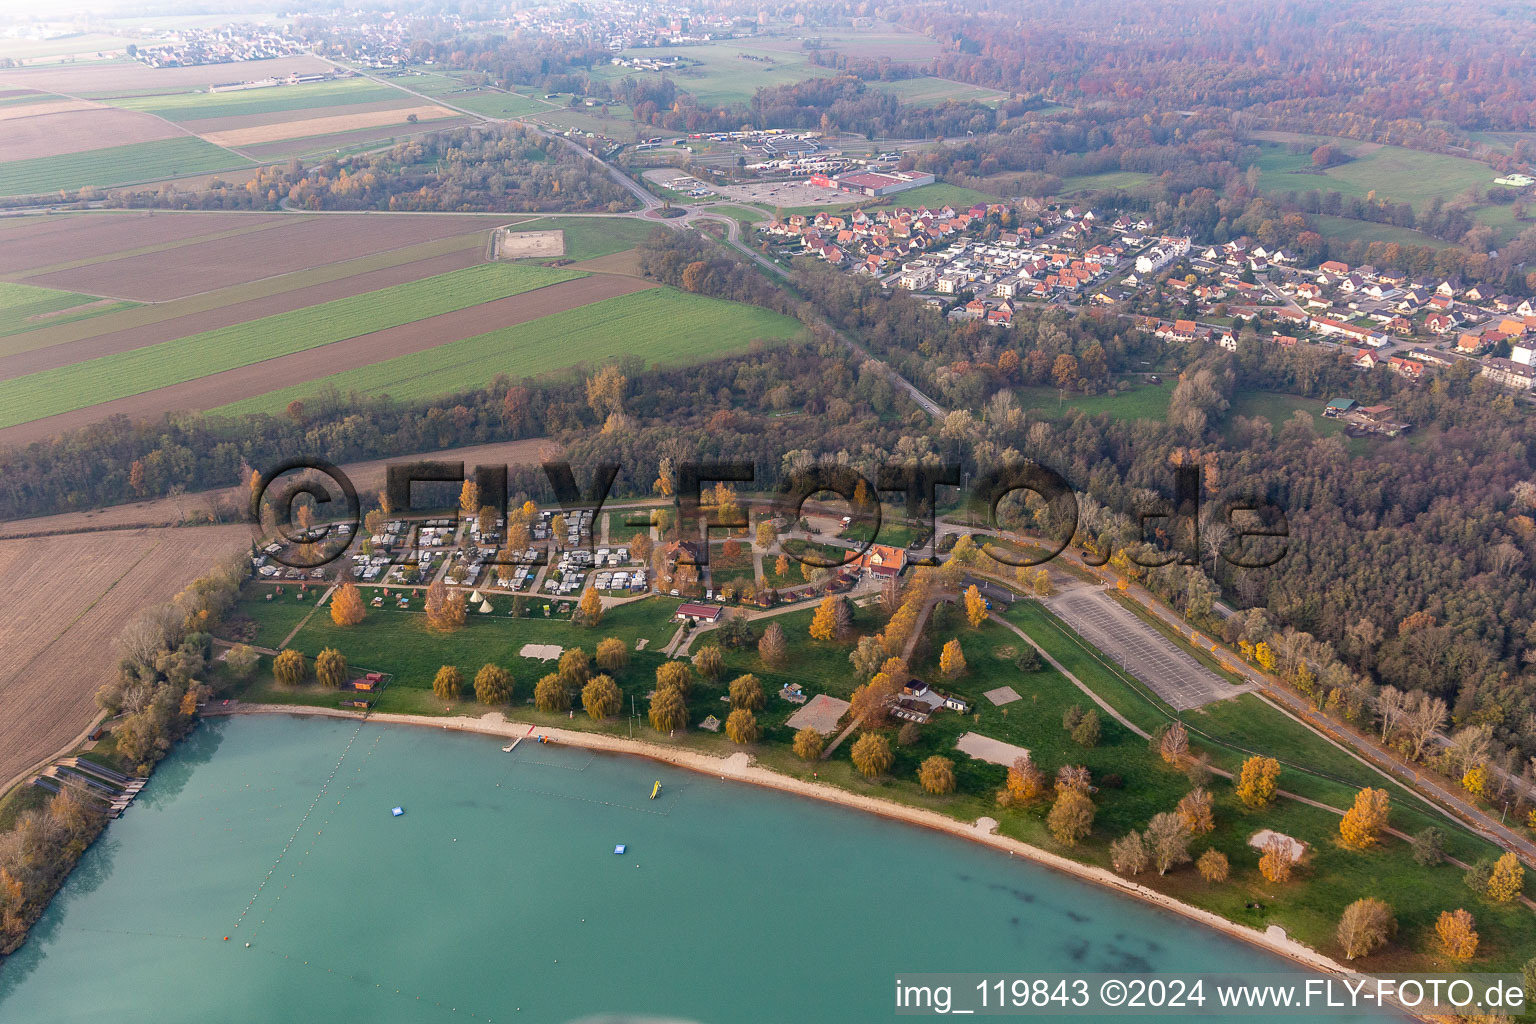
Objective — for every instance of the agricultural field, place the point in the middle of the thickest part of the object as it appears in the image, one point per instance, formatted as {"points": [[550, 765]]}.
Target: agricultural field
{"points": [[936, 195], [280, 245], [283, 98], [116, 79], [157, 366], [58, 636], [491, 102], [116, 165], [659, 325], [24, 308], [41, 127]]}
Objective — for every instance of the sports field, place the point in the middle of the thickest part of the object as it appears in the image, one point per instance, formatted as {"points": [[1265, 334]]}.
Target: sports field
{"points": [[662, 326], [116, 376], [589, 237], [116, 165]]}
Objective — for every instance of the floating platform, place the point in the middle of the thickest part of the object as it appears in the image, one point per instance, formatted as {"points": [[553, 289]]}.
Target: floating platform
{"points": [[396, 811], [620, 848]]}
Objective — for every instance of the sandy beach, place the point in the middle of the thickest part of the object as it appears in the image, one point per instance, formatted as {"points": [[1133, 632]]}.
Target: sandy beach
{"points": [[740, 767]]}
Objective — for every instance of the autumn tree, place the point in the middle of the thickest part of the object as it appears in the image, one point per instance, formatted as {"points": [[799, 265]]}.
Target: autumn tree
{"points": [[975, 607], [445, 611], [1256, 783], [552, 694], [952, 660], [612, 654], [601, 697], [808, 744], [1457, 932], [668, 711], [493, 685], [773, 648], [1507, 880], [331, 668], [1213, 866], [1278, 858], [605, 391], [1365, 926], [290, 668], [824, 622], [872, 754], [1196, 810], [1073, 776], [448, 683], [741, 726], [747, 693], [469, 498], [1043, 586], [573, 668], [347, 606], [937, 775], [1024, 784], [1173, 744], [1168, 840], [1128, 854], [242, 659], [589, 610], [767, 536], [675, 675], [709, 662], [1071, 816], [1362, 824]]}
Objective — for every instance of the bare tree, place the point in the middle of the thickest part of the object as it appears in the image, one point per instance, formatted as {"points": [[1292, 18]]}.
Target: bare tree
{"points": [[1425, 718], [1469, 748], [1391, 704]]}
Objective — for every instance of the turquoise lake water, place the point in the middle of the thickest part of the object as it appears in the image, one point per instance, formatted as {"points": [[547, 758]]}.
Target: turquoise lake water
{"points": [[496, 896]]}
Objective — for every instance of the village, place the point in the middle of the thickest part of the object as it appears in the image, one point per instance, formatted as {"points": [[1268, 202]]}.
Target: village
{"points": [[982, 262]]}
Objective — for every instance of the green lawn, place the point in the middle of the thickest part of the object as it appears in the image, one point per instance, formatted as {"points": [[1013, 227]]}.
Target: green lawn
{"points": [[928, 91], [116, 165], [661, 326], [940, 194], [1279, 408], [156, 366], [590, 237], [309, 96], [25, 308], [729, 71], [267, 623], [1392, 172], [1142, 401], [1106, 180], [1340, 229]]}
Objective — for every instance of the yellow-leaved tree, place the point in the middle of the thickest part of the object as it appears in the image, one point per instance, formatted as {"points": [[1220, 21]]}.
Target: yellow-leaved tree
{"points": [[1362, 824]]}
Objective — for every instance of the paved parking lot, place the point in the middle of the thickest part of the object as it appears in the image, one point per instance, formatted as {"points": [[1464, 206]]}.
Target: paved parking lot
{"points": [[1140, 649]]}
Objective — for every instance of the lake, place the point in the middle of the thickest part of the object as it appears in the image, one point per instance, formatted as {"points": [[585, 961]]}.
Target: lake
{"points": [[497, 896]]}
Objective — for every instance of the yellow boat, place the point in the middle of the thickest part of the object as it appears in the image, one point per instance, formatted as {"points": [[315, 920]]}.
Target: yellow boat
{"points": [[656, 789]]}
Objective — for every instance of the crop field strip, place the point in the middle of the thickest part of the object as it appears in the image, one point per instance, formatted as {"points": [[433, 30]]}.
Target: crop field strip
{"points": [[205, 126], [303, 243], [358, 140], [145, 369], [245, 225], [36, 244], [204, 105], [661, 325], [40, 131], [19, 357], [331, 125], [24, 308], [178, 318], [301, 369], [116, 165]]}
